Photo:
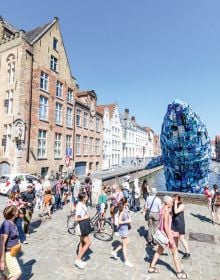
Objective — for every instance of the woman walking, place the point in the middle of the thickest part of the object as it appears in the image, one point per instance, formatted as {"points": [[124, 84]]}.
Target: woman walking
{"points": [[178, 224], [165, 226], [124, 225], [9, 245], [145, 189], [82, 215], [14, 199], [116, 196]]}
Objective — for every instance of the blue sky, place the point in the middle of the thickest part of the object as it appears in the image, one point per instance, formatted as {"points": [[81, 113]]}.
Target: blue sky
{"points": [[140, 53]]}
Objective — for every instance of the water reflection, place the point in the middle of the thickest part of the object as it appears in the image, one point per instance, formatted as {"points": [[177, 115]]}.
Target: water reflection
{"points": [[158, 179]]}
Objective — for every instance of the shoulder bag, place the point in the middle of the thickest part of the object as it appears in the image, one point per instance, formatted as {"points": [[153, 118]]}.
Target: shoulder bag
{"points": [[147, 213], [84, 227]]}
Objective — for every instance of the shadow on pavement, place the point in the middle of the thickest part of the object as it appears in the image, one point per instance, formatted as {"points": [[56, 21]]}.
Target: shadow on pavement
{"points": [[142, 232], [150, 253], [201, 218], [26, 267], [35, 224]]}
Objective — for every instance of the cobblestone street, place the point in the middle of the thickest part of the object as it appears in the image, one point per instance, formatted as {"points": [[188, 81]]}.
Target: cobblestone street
{"points": [[51, 251]]}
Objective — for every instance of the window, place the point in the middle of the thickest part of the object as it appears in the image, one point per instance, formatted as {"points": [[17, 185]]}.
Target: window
{"points": [[69, 144], [78, 117], [98, 125], [55, 43], [70, 95], [97, 146], [90, 165], [91, 146], [58, 114], [43, 109], [58, 145], [69, 117], [85, 145], [59, 89], [9, 102], [78, 140], [11, 72], [42, 144], [91, 123], [53, 63], [44, 81], [85, 120]]}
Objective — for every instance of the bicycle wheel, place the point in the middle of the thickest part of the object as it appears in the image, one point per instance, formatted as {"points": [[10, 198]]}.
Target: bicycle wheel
{"points": [[103, 230], [71, 224]]}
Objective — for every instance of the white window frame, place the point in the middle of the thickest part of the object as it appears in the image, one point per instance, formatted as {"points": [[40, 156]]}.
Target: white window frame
{"points": [[70, 95], [85, 145], [91, 147], [11, 72], [42, 144], [58, 113], [55, 43], [69, 117], [44, 81], [59, 89], [97, 146], [85, 120], [69, 142], [78, 145], [53, 63], [58, 146], [10, 98], [78, 117], [43, 108]]}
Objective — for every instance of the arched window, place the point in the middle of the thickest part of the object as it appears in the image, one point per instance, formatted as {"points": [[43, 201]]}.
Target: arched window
{"points": [[11, 68]]}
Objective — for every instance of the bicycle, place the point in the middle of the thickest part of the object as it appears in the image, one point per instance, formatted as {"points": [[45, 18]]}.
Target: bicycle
{"points": [[103, 228]]}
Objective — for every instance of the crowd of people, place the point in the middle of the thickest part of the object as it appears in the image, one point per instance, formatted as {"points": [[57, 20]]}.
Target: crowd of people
{"points": [[165, 216]]}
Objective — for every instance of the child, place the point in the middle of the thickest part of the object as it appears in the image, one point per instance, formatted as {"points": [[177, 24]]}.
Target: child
{"points": [[124, 225], [102, 205]]}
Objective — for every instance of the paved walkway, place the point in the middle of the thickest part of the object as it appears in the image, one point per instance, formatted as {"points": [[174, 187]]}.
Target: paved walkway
{"points": [[51, 252]]}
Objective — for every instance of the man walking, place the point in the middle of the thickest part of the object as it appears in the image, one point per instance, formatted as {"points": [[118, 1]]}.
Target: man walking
{"points": [[28, 197], [153, 204]]}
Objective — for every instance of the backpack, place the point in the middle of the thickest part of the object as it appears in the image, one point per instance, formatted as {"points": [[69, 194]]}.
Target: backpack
{"points": [[217, 199]]}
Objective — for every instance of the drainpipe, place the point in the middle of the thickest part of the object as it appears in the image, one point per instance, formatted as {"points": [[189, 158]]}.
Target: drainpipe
{"points": [[30, 106]]}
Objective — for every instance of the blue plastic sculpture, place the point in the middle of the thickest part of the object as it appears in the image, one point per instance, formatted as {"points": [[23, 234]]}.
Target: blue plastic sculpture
{"points": [[186, 149]]}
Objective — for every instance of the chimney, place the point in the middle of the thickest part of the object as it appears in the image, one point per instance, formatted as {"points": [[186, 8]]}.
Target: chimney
{"points": [[126, 114], [133, 119]]}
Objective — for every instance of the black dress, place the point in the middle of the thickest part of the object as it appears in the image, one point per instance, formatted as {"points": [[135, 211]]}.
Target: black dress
{"points": [[178, 222]]}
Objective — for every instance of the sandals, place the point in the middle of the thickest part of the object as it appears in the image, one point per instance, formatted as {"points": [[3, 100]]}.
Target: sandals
{"points": [[181, 275], [153, 270]]}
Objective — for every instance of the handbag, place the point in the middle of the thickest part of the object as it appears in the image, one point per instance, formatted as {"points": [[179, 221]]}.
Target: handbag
{"points": [[14, 250], [161, 238], [86, 227], [147, 213]]}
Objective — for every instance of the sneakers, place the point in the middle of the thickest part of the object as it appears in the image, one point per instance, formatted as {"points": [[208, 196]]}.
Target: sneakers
{"points": [[129, 264], [25, 242], [186, 256], [116, 233], [80, 264], [27, 234], [114, 255]]}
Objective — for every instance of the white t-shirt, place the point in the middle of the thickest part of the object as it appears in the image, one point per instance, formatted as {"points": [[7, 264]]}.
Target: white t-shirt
{"points": [[81, 209], [157, 205]]}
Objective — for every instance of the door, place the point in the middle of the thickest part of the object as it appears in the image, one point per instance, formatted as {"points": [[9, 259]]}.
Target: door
{"points": [[80, 168]]}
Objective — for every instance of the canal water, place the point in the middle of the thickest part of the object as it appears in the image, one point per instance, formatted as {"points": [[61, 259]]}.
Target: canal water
{"points": [[158, 179]]}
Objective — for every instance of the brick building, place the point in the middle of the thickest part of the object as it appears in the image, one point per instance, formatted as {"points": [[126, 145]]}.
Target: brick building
{"points": [[88, 134], [36, 101]]}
